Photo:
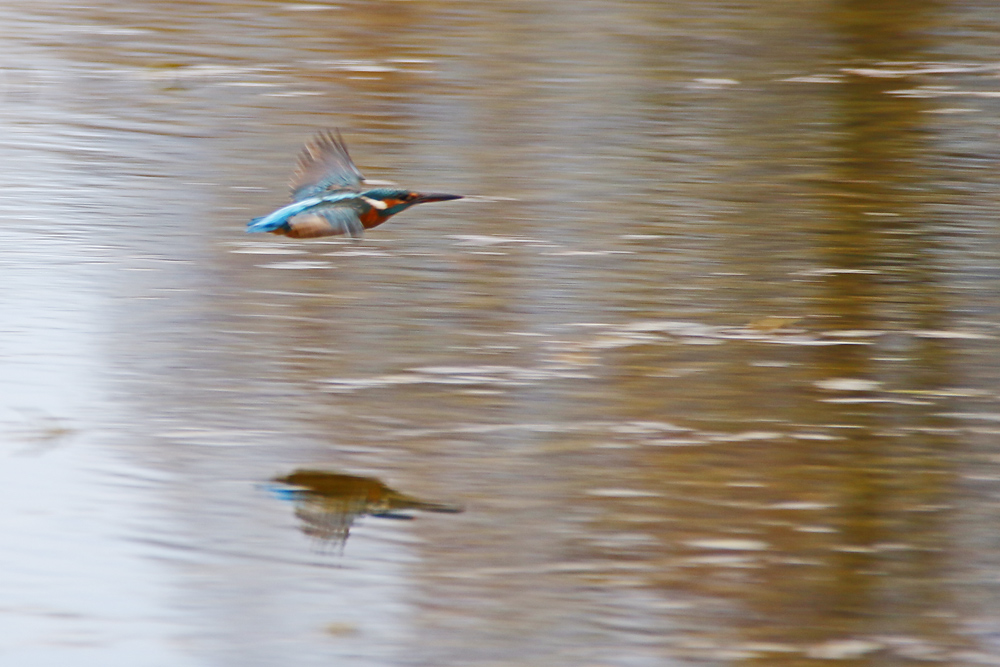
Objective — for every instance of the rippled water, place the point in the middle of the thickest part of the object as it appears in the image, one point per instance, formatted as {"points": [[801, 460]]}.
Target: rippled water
{"points": [[709, 360]]}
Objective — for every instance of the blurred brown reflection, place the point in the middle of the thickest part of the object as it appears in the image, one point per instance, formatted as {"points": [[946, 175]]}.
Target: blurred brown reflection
{"points": [[328, 503], [823, 527], [885, 575], [870, 581]]}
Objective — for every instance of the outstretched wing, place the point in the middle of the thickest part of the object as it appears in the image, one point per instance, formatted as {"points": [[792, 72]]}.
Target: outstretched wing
{"points": [[324, 167], [326, 222], [345, 220]]}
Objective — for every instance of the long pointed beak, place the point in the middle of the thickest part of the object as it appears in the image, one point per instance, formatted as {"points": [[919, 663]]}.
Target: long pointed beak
{"points": [[435, 196]]}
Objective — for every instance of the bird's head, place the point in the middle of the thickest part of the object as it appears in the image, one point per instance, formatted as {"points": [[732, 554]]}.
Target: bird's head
{"points": [[393, 200]]}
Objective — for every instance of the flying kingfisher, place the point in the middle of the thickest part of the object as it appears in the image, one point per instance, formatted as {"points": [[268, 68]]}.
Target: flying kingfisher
{"points": [[330, 196]]}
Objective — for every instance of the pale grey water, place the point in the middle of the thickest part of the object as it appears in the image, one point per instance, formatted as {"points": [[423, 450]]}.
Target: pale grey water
{"points": [[711, 363]]}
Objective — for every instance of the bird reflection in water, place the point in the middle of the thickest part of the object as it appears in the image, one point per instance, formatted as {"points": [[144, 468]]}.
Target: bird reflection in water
{"points": [[328, 503]]}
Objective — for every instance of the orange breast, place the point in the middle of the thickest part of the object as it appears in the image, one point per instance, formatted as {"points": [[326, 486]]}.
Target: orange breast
{"points": [[371, 218]]}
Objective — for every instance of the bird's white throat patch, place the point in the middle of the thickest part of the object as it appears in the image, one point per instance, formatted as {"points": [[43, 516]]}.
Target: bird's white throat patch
{"points": [[380, 205]]}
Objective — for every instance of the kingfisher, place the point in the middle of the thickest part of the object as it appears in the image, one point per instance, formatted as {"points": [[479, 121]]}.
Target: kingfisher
{"points": [[331, 197]]}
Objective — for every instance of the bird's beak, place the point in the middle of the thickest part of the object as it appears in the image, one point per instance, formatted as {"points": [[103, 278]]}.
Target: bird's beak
{"points": [[435, 196]]}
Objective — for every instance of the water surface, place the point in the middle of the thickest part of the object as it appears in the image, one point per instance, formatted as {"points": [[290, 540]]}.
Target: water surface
{"points": [[709, 361]]}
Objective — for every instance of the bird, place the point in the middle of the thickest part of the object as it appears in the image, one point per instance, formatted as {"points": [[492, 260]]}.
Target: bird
{"points": [[331, 197]]}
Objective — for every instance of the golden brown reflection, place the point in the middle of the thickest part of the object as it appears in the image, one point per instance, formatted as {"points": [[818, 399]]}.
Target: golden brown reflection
{"points": [[880, 587], [328, 503], [831, 541], [817, 528]]}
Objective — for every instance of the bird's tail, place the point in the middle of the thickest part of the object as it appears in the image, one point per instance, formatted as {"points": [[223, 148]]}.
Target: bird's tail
{"points": [[279, 219], [267, 223]]}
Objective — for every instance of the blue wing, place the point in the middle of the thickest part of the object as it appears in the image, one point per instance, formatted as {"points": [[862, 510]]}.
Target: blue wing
{"points": [[312, 217], [324, 167], [343, 220]]}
